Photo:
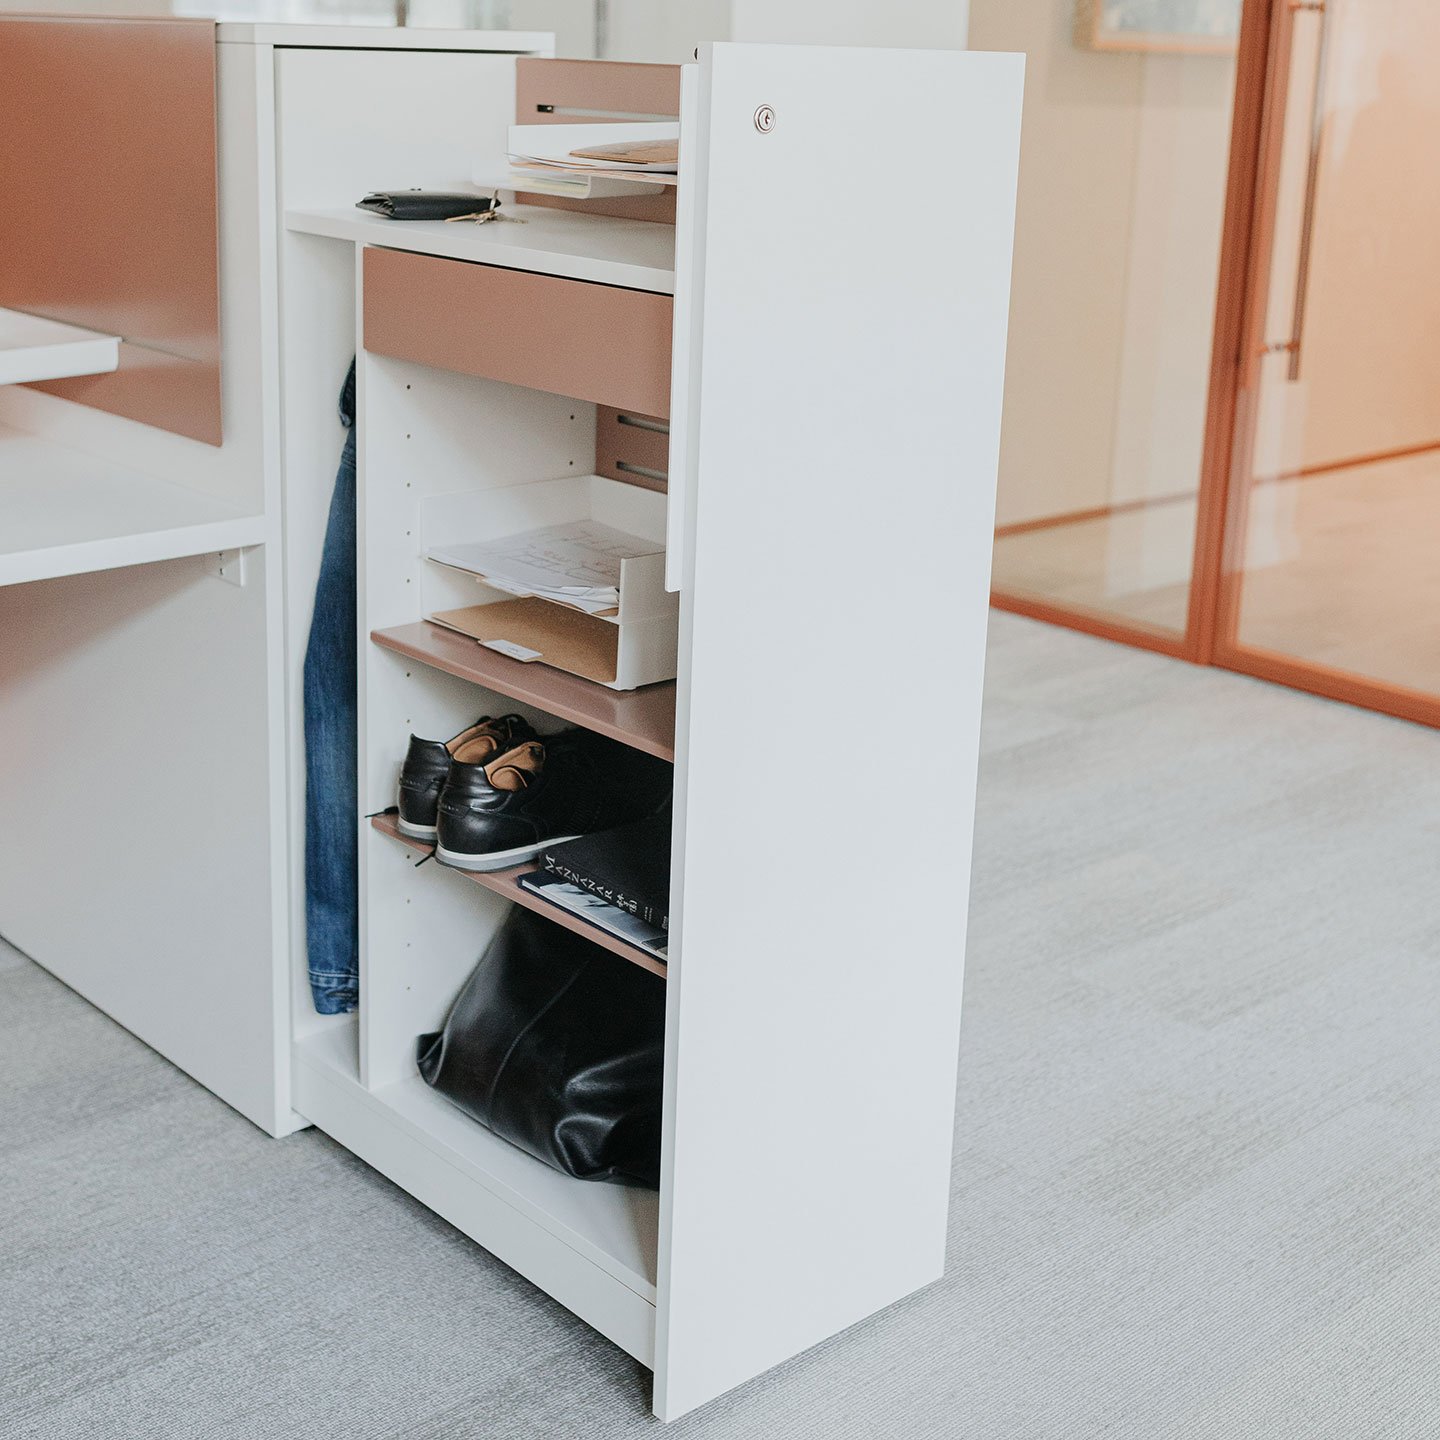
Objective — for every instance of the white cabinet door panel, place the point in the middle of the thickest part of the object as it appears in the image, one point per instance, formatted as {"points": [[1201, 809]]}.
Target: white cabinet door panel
{"points": [[851, 256]]}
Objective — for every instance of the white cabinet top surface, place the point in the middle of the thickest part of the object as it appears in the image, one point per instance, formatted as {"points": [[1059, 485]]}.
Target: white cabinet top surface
{"points": [[365, 35], [635, 254]]}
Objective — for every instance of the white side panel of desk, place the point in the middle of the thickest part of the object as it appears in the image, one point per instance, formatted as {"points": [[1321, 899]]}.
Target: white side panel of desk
{"points": [[133, 857], [140, 783], [836, 579]]}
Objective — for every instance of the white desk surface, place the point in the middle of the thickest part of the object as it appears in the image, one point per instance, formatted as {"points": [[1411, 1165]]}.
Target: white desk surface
{"points": [[635, 254], [33, 348], [64, 512]]}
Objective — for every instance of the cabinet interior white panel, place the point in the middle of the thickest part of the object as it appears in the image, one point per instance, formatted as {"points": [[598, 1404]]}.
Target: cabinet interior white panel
{"points": [[836, 575], [348, 121], [428, 433], [424, 928], [317, 343], [352, 121]]}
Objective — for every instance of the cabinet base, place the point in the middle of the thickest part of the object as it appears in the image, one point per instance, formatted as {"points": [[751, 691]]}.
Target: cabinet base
{"points": [[591, 1247]]}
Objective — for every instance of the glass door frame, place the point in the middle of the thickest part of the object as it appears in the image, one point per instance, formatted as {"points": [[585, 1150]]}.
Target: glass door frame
{"points": [[1219, 572], [1197, 643]]}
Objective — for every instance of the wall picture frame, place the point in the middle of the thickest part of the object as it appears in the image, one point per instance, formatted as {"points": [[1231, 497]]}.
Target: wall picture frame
{"points": [[1182, 27]]}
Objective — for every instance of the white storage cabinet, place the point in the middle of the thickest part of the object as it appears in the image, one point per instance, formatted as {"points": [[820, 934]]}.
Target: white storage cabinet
{"points": [[828, 363]]}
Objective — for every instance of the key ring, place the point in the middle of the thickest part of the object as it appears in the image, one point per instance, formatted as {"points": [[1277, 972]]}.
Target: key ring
{"points": [[484, 217]]}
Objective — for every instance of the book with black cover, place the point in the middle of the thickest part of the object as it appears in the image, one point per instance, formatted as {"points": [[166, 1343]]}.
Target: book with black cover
{"points": [[592, 909], [628, 867]]}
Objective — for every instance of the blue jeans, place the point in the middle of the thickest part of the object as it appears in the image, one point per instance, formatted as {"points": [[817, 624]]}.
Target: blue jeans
{"points": [[332, 802]]}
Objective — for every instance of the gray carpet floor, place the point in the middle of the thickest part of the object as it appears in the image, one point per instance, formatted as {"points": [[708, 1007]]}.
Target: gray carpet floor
{"points": [[1197, 1169]]}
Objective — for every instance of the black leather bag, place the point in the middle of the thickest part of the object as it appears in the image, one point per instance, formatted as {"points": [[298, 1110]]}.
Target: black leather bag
{"points": [[557, 1046], [425, 204]]}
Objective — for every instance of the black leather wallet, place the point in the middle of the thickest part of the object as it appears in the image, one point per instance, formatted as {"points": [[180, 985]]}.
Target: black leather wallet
{"points": [[425, 204]]}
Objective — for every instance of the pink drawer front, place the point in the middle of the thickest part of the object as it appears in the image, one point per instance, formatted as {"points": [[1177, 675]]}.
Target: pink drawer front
{"points": [[593, 342]]}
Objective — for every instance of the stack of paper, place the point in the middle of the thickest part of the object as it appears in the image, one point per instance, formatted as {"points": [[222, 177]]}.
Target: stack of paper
{"points": [[634, 155], [576, 564], [629, 150]]}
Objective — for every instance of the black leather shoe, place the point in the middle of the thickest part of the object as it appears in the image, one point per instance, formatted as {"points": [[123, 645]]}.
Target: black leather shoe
{"points": [[427, 764], [544, 791]]}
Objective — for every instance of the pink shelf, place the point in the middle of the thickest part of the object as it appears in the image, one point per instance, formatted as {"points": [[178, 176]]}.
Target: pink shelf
{"points": [[643, 718], [506, 883]]}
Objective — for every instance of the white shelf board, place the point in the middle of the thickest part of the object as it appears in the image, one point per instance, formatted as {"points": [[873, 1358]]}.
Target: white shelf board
{"points": [[570, 184], [635, 254], [615, 1227], [33, 348], [63, 512]]}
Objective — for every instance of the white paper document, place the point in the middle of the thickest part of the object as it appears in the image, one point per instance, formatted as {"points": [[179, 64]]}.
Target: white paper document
{"points": [[576, 564], [554, 145]]}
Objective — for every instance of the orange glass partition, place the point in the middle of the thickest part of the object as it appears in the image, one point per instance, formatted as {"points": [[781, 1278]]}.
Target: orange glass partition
{"points": [[1223, 403], [1334, 506]]}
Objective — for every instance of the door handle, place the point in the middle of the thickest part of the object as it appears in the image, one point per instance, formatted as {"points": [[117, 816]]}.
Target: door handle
{"points": [[1319, 8]]}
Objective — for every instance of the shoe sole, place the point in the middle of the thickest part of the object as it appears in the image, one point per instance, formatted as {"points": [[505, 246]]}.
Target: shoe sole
{"points": [[415, 832], [496, 859]]}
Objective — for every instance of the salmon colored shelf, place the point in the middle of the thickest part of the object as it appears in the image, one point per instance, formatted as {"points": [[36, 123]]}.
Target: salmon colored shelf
{"points": [[644, 718], [506, 883]]}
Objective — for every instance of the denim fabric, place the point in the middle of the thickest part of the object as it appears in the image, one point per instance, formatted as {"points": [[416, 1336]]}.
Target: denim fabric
{"points": [[332, 802]]}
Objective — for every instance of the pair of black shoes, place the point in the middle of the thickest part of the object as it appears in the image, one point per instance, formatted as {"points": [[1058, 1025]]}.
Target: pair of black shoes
{"points": [[498, 793]]}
